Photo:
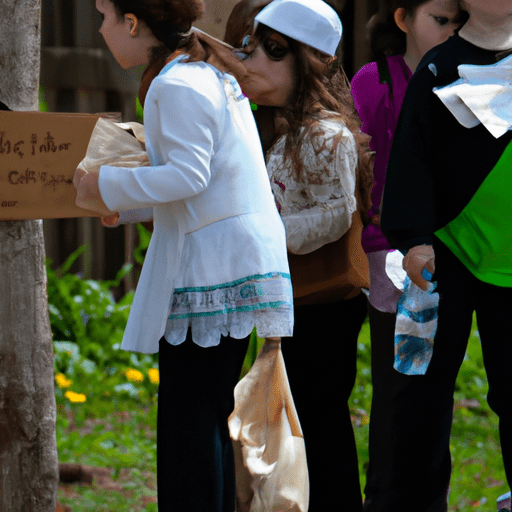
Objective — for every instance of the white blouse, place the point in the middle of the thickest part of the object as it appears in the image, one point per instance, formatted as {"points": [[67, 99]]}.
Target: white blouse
{"points": [[217, 259], [317, 209]]}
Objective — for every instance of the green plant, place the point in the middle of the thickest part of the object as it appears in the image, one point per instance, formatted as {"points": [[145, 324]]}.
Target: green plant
{"points": [[84, 311], [109, 418], [43, 104], [144, 239], [139, 110], [87, 325]]}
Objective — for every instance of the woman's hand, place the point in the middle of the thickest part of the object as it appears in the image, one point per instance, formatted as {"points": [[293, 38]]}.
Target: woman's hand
{"points": [[88, 194], [416, 259]]}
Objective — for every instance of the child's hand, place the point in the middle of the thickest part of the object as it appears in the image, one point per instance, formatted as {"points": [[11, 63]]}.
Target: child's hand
{"points": [[88, 193], [416, 259]]}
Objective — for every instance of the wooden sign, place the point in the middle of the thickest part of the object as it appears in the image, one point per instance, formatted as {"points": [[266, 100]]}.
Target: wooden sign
{"points": [[39, 153]]}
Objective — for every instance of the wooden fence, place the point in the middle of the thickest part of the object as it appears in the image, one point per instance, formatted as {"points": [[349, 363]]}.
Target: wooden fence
{"points": [[78, 74]]}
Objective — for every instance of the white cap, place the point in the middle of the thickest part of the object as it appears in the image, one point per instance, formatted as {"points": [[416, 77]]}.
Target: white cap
{"points": [[312, 22]]}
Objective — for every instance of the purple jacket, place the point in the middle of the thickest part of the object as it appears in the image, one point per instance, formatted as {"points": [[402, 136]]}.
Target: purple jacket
{"points": [[379, 110]]}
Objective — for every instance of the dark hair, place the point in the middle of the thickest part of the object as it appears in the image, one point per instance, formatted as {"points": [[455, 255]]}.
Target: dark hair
{"points": [[169, 20], [241, 20], [385, 36]]}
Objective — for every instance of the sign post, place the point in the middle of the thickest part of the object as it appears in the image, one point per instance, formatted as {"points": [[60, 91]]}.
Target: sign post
{"points": [[28, 452]]}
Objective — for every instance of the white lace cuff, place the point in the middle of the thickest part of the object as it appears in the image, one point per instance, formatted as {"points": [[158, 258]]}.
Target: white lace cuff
{"points": [[310, 229]]}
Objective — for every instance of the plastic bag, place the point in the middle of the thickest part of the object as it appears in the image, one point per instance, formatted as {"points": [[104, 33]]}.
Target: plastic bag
{"points": [[270, 456], [415, 328]]}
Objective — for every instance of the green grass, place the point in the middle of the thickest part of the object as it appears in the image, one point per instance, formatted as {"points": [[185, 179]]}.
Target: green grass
{"points": [[115, 426], [478, 476], [118, 436]]}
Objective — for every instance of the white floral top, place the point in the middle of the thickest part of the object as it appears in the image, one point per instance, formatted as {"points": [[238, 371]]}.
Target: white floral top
{"points": [[317, 210]]}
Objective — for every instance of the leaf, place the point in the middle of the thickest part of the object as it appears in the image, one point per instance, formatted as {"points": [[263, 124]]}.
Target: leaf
{"points": [[144, 238], [64, 269], [129, 388], [67, 347], [88, 366], [108, 444]]}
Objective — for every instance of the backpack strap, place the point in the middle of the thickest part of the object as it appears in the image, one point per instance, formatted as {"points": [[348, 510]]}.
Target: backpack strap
{"points": [[384, 73]]}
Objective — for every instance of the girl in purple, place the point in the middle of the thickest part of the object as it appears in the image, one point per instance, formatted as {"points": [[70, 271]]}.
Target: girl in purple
{"points": [[400, 35]]}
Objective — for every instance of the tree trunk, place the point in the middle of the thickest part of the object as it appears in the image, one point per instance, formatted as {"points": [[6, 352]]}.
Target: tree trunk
{"points": [[28, 452]]}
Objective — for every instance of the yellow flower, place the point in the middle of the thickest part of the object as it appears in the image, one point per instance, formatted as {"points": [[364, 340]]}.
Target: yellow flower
{"points": [[62, 382], [154, 375], [134, 375], [75, 397]]}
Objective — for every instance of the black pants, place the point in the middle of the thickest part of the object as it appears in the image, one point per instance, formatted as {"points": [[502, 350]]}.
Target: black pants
{"points": [[195, 467], [321, 365], [411, 416]]}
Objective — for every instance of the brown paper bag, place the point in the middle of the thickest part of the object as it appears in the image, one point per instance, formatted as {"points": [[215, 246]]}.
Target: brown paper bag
{"points": [[270, 456], [117, 144], [39, 152]]}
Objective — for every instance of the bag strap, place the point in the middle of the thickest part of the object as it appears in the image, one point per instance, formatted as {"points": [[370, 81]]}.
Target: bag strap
{"points": [[384, 73]]}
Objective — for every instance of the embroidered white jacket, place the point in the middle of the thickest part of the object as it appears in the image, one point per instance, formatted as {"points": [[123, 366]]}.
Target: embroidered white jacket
{"points": [[207, 186]]}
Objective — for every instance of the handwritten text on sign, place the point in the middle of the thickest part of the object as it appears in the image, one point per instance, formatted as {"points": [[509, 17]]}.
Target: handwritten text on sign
{"points": [[39, 152], [29, 176], [17, 147]]}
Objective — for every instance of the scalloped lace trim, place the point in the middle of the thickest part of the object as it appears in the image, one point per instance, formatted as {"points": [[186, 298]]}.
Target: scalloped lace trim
{"points": [[232, 309]]}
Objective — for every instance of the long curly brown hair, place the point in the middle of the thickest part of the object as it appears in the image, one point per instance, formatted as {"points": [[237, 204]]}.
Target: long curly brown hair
{"points": [[323, 92]]}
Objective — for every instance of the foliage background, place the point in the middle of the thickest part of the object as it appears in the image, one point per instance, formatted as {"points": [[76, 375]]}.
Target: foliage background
{"points": [[109, 418]]}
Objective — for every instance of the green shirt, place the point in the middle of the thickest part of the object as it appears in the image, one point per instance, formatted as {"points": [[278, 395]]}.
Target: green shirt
{"points": [[480, 236]]}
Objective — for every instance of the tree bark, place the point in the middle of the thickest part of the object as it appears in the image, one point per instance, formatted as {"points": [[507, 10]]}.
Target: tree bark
{"points": [[28, 452]]}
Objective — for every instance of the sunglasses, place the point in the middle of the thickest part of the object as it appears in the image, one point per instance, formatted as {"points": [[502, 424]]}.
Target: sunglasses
{"points": [[273, 48]]}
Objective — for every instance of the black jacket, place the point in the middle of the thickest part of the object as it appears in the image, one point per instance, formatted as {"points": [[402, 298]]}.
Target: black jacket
{"points": [[436, 165]]}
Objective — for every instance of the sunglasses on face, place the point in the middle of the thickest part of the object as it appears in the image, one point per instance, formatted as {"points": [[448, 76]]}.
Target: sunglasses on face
{"points": [[273, 48]]}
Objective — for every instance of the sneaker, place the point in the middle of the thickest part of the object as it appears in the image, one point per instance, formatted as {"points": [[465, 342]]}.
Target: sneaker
{"points": [[503, 503]]}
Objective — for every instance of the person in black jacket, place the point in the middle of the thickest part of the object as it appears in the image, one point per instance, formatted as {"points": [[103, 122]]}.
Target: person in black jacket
{"points": [[446, 206]]}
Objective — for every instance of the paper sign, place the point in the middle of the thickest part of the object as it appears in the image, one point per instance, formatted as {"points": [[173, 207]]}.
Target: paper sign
{"points": [[39, 152]]}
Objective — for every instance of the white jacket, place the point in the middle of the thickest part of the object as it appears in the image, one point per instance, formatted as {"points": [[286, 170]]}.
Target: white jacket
{"points": [[207, 180]]}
